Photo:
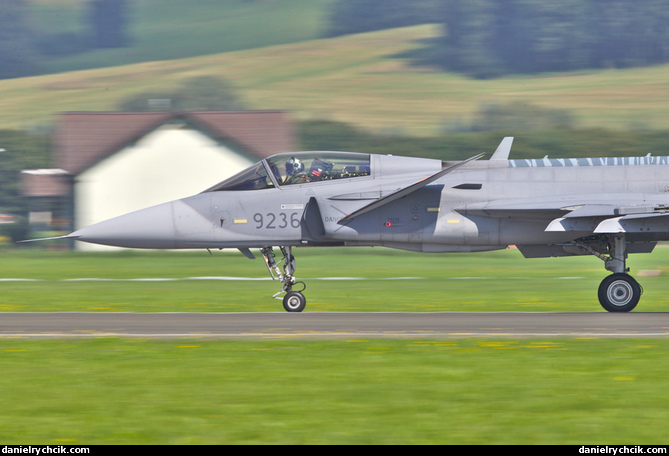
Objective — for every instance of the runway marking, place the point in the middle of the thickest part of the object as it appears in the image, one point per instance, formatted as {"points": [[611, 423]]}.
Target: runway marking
{"points": [[21, 280]]}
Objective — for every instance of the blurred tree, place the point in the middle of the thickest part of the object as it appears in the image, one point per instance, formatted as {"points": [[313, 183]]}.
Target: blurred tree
{"points": [[468, 44], [202, 93], [207, 93], [489, 38], [329, 135], [518, 117], [356, 16], [19, 151], [17, 50], [109, 20], [551, 140]]}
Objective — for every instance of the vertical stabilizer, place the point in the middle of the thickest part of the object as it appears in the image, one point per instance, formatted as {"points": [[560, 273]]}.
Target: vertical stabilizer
{"points": [[503, 150]]}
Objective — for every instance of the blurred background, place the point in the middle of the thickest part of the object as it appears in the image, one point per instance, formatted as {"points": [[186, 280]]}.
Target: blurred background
{"points": [[111, 105]]}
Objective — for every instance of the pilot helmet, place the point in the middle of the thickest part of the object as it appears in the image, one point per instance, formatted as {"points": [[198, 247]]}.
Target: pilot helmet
{"points": [[294, 166]]}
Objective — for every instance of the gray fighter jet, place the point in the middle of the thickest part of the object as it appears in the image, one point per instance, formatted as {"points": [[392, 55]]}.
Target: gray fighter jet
{"points": [[606, 207]]}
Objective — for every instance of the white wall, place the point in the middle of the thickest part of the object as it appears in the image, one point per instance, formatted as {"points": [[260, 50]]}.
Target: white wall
{"points": [[167, 164]]}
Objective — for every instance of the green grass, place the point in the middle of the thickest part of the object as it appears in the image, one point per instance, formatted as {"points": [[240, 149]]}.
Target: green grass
{"points": [[393, 281], [122, 391], [345, 391]]}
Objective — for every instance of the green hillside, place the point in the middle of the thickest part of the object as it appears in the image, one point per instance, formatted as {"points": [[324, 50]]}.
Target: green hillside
{"points": [[166, 30], [356, 79]]}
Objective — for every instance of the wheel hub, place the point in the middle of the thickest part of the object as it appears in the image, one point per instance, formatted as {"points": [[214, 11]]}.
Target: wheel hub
{"points": [[620, 293], [293, 302]]}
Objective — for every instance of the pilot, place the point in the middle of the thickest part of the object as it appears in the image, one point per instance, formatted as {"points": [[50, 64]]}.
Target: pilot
{"points": [[294, 166], [295, 171]]}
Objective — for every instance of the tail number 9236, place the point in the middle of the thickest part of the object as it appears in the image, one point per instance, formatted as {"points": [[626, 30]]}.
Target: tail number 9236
{"points": [[271, 221]]}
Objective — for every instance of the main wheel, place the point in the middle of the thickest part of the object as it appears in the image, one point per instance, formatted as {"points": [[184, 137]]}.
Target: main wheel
{"points": [[294, 301], [619, 293]]}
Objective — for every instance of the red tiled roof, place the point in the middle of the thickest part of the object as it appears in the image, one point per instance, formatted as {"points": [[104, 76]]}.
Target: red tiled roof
{"points": [[82, 139]]}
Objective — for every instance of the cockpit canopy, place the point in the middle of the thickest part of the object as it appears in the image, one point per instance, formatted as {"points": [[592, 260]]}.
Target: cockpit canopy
{"points": [[297, 168]]}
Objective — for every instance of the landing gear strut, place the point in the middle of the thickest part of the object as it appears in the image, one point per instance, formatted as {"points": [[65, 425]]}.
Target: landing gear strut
{"points": [[293, 301], [618, 292]]}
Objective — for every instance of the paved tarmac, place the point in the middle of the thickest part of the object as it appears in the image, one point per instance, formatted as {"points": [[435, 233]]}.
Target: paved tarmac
{"points": [[349, 325]]}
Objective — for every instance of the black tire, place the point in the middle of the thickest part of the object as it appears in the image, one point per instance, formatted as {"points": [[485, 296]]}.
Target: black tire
{"points": [[619, 293], [294, 301]]}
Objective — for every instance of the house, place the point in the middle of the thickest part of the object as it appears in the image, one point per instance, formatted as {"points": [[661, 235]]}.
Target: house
{"points": [[111, 163]]}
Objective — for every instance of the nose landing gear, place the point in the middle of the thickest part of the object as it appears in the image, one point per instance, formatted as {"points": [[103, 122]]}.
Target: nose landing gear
{"points": [[293, 300]]}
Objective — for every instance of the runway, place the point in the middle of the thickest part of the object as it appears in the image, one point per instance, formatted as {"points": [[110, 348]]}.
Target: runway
{"points": [[332, 325]]}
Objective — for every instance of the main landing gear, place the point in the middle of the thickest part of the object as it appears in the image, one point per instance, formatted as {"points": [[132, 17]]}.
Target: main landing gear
{"points": [[293, 301], [618, 292]]}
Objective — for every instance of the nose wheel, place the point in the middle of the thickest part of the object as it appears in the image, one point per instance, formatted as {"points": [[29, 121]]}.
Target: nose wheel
{"points": [[293, 300]]}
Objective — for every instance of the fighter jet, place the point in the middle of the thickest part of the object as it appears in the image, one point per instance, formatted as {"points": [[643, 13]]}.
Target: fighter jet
{"points": [[606, 207]]}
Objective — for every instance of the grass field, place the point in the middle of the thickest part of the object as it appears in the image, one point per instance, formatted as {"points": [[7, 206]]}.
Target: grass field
{"points": [[347, 391], [353, 279], [497, 391], [356, 79]]}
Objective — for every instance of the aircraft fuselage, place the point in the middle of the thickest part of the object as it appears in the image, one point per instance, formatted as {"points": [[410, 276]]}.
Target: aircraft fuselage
{"points": [[455, 213], [607, 207]]}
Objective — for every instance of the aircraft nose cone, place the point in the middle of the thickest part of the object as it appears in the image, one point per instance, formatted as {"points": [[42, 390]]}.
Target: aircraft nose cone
{"points": [[151, 228]]}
